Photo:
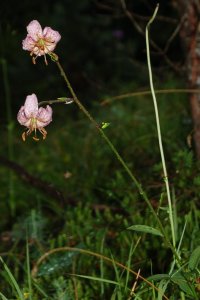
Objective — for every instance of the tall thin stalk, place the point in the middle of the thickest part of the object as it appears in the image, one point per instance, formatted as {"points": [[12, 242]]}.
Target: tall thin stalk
{"points": [[28, 270], [118, 156], [159, 130]]}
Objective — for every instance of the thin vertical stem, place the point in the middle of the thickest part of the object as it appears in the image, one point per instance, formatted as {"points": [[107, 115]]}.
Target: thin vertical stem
{"points": [[159, 130], [118, 156], [28, 269]]}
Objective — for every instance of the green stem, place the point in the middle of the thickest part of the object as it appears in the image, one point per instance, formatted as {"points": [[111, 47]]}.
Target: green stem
{"points": [[64, 100], [118, 156], [159, 130], [28, 269], [145, 93]]}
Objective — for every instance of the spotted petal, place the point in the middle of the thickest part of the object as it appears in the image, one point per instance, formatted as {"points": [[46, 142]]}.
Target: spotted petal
{"points": [[51, 38], [21, 117], [31, 106], [44, 116], [52, 35], [34, 30], [28, 43]]}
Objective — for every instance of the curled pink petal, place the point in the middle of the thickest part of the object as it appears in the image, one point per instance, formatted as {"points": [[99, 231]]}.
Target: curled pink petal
{"points": [[33, 118], [44, 116], [51, 35], [34, 29], [28, 43], [31, 106], [22, 119]]}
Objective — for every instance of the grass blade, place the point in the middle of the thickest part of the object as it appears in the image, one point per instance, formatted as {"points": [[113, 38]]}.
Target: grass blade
{"points": [[145, 229], [3, 297], [97, 279], [13, 282]]}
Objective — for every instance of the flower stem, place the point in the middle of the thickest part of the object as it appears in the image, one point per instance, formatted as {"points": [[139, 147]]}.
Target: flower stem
{"points": [[159, 130], [118, 156], [58, 100]]}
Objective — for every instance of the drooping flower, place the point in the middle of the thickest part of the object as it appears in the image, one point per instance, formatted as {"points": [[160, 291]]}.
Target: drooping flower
{"points": [[40, 42], [33, 117]]}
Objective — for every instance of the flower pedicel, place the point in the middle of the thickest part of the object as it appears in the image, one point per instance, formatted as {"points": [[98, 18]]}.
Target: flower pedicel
{"points": [[33, 117], [40, 42]]}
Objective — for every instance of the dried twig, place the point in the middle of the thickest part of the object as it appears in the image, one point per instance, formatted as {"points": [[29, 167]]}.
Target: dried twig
{"points": [[153, 44], [145, 93], [134, 285], [174, 34], [51, 191], [36, 182]]}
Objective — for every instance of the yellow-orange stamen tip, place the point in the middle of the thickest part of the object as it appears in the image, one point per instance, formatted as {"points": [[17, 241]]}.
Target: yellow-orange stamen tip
{"points": [[44, 136], [33, 60], [24, 136], [35, 138], [45, 60]]}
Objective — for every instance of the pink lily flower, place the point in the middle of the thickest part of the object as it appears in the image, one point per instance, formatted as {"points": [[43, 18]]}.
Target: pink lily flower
{"points": [[33, 117], [40, 42]]}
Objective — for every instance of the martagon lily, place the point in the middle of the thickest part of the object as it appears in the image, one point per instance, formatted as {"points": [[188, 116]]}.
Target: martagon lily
{"points": [[40, 42], [34, 118]]}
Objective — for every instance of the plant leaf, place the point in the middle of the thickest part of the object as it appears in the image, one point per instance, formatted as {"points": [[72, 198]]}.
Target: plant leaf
{"points": [[194, 259], [158, 277], [184, 284], [97, 279], [3, 297], [145, 229], [12, 280], [67, 100]]}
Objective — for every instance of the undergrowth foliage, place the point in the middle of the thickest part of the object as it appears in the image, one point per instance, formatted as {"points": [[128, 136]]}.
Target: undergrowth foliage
{"points": [[106, 237]]}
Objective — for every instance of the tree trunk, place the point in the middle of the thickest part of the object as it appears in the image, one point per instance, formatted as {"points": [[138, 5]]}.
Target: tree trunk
{"points": [[190, 36]]}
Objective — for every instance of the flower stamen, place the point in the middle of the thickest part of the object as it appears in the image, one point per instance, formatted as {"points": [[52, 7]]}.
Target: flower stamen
{"points": [[40, 42], [34, 118]]}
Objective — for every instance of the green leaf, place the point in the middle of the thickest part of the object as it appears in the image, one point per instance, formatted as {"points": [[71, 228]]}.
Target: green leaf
{"points": [[105, 125], [184, 284], [3, 297], [67, 100], [97, 279], [158, 277], [145, 229], [194, 259]]}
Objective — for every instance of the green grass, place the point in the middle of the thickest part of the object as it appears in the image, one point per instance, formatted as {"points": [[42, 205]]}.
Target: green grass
{"points": [[99, 204]]}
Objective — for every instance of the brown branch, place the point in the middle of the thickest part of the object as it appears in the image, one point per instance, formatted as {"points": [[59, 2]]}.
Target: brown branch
{"points": [[36, 182], [159, 50], [51, 191], [146, 93], [117, 14], [105, 7], [174, 34], [93, 254], [159, 18]]}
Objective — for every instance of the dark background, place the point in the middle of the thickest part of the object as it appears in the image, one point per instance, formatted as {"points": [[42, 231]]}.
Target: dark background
{"points": [[100, 48]]}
